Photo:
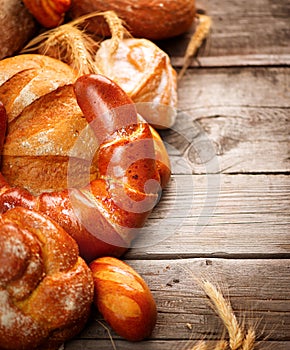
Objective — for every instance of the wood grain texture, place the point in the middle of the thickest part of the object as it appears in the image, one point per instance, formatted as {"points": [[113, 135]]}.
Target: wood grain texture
{"points": [[219, 215], [233, 120], [160, 345], [248, 284], [243, 33]]}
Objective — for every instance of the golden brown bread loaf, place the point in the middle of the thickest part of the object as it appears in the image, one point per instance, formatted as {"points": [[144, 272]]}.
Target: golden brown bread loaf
{"points": [[154, 19], [17, 27], [39, 113], [46, 289], [123, 298]]}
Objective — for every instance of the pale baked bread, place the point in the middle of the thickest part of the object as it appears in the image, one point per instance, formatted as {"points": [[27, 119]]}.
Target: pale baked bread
{"points": [[144, 71]]}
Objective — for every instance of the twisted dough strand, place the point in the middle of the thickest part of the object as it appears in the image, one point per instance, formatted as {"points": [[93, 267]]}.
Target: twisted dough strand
{"points": [[46, 289], [105, 215]]}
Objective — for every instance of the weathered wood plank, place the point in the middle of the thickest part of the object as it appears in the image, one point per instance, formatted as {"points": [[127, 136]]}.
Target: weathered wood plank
{"points": [[243, 33], [160, 345], [258, 290], [242, 87], [234, 61], [232, 121], [219, 215]]}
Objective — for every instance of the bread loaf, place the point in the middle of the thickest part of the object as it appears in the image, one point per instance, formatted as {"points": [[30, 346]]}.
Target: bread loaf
{"points": [[123, 298], [144, 71], [17, 27], [153, 20], [46, 289], [40, 113]]}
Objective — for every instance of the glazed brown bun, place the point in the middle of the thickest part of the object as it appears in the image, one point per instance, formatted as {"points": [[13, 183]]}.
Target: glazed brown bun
{"points": [[46, 289]]}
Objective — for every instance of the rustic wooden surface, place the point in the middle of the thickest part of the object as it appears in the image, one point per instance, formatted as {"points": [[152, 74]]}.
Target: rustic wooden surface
{"points": [[225, 214]]}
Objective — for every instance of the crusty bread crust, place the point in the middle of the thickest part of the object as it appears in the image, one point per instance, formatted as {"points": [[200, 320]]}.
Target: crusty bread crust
{"points": [[46, 289], [17, 27], [41, 107]]}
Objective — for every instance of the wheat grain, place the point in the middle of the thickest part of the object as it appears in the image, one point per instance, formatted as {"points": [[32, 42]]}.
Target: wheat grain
{"points": [[117, 29], [201, 345], [249, 341], [225, 312], [69, 44], [221, 345]]}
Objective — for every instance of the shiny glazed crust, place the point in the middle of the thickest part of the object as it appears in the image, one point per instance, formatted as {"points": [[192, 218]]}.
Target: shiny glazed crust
{"points": [[123, 298]]}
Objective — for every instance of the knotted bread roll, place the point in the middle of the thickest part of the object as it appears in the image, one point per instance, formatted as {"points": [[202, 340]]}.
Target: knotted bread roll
{"points": [[46, 289]]}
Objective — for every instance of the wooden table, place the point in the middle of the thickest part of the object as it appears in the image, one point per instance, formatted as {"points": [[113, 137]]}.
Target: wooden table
{"points": [[225, 214]]}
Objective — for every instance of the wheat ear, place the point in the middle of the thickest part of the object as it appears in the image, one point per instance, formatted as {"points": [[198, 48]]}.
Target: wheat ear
{"points": [[225, 312], [71, 44], [201, 345], [249, 341], [221, 345], [200, 34]]}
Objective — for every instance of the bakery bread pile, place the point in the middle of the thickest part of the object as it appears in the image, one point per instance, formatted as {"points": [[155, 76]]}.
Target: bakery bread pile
{"points": [[103, 215], [81, 171]]}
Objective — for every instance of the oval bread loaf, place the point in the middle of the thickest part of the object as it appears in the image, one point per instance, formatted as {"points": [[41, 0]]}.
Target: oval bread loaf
{"points": [[155, 19], [123, 298]]}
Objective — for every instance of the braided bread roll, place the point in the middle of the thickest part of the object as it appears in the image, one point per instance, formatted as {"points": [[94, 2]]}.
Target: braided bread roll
{"points": [[46, 289], [106, 209]]}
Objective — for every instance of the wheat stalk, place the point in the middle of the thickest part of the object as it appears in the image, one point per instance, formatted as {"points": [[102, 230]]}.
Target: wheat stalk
{"points": [[221, 345], [238, 338], [225, 312], [68, 44], [71, 44], [109, 334], [200, 34], [118, 31], [201, 345]]}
